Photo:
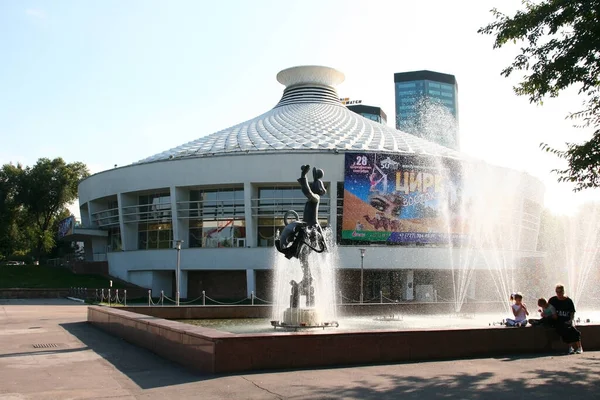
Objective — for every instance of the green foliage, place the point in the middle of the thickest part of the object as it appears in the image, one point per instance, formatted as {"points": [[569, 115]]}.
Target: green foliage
{"points": [[560, 49], [32, 201], [38, 276]]}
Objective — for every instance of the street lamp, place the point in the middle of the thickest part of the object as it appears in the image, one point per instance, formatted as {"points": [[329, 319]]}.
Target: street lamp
{"points": [[177, 273], [362, 259]]}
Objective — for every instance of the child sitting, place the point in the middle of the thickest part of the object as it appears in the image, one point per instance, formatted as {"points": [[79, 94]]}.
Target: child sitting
{"points": [[519, 311], [547, 310]]}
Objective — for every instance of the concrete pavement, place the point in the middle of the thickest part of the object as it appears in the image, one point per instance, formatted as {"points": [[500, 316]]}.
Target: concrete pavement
{"points": [[48, 351]]}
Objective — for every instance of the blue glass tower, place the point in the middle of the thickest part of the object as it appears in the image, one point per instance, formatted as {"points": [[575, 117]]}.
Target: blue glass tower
{"points": [[421, 94]]}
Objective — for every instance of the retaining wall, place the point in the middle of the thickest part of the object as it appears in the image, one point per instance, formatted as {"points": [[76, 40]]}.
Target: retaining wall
{"points": [[25, 293], [212, 351]]}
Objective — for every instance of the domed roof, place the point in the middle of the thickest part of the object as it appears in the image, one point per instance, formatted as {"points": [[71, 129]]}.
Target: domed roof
{"points": [[309, 117]]}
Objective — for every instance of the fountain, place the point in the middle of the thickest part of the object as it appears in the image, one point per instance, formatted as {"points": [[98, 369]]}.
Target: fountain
{"points": [[572, 244], [300, 239]]}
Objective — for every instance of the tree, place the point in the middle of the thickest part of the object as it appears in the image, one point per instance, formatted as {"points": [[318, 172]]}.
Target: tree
{"points": [[561, 49], [10, 210], [45, 191]]}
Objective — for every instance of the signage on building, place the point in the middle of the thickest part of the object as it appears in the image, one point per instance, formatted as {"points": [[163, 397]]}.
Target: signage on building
{"points": [[66, 226], [401, 199], [346, 101]]}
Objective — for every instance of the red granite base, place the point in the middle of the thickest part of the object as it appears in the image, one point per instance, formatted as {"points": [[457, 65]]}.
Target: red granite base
{"points": [[212, 351]]}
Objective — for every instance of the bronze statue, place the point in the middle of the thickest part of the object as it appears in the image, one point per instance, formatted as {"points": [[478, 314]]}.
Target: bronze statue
{"points": [[299, 237]]}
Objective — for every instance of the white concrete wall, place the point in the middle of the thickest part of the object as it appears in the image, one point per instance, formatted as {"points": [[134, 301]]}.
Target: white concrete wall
{"points": [[163, 280], [140, 278], [376, 257], [257, 168]]}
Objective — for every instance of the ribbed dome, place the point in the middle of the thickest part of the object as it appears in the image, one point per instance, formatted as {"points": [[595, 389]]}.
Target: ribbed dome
{"points": [[309, 117]]}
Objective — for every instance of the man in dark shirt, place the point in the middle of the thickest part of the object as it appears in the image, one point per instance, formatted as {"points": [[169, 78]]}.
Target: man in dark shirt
{"points": [[563, 320]]}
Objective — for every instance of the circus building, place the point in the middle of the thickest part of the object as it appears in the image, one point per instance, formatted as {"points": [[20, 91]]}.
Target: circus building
{"points": [[389, 192]]}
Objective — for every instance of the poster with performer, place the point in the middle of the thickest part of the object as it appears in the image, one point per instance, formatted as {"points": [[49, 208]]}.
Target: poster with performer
{"points": [[66, 226], [398, 198]]}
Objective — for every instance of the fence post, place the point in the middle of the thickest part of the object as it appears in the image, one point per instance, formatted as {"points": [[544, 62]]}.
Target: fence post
{"points": [[102, 297], [380, 297], [96, 295], [203, 298], [125, 299], [117, 296], [162, 298], [109, 297], [252, 297], [149, 297], [341, 298]]}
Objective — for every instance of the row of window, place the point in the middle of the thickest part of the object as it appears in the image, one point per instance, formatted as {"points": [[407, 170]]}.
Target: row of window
{"points": [[410, 86], [228, 229]]}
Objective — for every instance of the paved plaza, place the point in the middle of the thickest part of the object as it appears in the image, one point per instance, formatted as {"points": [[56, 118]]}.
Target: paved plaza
{"points": [[48, 351]]}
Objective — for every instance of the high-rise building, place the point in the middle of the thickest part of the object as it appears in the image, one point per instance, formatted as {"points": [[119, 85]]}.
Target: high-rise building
{"points": [[373, 113], [427, 106]]}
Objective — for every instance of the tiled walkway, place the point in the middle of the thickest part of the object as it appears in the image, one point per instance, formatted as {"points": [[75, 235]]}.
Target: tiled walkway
{"points": [[48, 351]]}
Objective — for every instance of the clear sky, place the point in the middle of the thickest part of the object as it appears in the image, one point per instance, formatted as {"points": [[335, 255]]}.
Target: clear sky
{"points": [[113, 82]]}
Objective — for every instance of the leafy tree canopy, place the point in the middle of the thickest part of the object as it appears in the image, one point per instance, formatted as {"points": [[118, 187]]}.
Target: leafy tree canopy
{"points": [[32, 200], [560, 48]]}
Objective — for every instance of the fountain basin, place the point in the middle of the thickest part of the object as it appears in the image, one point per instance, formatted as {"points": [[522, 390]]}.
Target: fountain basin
{"points": [[213, 351]]}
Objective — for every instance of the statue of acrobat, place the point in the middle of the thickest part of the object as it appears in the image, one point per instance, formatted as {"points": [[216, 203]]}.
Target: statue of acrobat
{"points": [[299, 237]]}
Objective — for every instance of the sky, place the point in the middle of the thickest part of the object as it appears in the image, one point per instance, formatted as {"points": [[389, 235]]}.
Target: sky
{"points": [[112, 82]]}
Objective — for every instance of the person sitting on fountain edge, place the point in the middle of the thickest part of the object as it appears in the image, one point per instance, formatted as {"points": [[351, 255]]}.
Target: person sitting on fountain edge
{"points": [[563, 320], [546, 312], [519, 310]]}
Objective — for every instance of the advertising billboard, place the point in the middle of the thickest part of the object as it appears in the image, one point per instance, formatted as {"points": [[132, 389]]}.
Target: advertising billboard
{"points": [[66, 226], [398, 198]]}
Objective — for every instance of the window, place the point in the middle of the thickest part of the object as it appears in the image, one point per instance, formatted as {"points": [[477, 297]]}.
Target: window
{"points": [[406, 85], [372, 117], [217, 218], [155, 236], [155, 207], [114, 239]]}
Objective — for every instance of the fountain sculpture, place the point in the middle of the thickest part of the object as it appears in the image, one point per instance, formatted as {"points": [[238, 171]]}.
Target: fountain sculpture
{"points": [[298, 239]]}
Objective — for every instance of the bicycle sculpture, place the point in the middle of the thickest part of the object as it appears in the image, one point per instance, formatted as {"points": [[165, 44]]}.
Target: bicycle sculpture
{"points": [[301, 236]]}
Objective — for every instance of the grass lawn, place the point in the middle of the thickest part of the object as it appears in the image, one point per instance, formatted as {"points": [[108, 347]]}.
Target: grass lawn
{"points": [[38, 276]]}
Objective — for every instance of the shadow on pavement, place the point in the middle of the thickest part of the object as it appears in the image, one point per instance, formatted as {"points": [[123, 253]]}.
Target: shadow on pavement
{"points": [[40, 302], [574, 383], [42, 352], [144, 368]]}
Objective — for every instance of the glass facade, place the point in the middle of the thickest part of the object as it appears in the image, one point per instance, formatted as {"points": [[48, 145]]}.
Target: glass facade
{"points": [[217, 218], [155, 230], [274, 202], [114, 239], [418, 106], [155, 236], [373, 117]]}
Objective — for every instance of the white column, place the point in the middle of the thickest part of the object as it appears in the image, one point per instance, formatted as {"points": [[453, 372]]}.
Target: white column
{"points": [[249, 193], [124, 240], [333, 194], [250, 282], [86, 216], [174, 219], [91, 209], [129, 232]]}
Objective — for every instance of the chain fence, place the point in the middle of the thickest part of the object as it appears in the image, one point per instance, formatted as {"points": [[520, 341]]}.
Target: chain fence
{"points": [[101, 296], [116, 297]]}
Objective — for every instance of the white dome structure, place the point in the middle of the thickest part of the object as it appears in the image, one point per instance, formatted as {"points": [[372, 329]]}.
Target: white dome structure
{"points": [[309, 116], [222, 197]]}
